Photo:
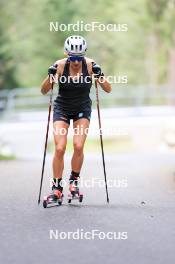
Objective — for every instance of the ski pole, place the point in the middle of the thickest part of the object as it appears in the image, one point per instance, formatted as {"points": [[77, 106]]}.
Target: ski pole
{"points": [[101, 139], [46, 140]]}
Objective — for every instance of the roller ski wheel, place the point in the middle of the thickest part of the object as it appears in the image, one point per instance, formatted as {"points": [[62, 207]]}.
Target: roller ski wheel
{"points": [[56, 197], [80, 198], [74, 194]]}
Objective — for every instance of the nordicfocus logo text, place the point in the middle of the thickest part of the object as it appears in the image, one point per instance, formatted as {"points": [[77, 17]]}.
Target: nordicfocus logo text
{"points": [[80, 26], [79, 78], [81, 234], [94, 182]]}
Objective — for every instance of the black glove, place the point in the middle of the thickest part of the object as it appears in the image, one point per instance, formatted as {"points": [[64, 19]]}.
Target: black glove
{"points": [[52, 69], [97, 70]]}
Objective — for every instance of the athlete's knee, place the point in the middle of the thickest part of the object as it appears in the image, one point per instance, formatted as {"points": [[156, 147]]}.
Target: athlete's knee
{"points": [[60, 150], [78, 148]]}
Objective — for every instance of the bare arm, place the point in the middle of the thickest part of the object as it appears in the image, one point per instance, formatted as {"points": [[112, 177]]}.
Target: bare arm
{"points": [[46, 85], [96, 70], [105, 85]]}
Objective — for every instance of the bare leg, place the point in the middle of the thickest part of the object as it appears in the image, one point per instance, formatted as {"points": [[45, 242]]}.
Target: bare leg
{"points": [[78, 143], [60, 139]]}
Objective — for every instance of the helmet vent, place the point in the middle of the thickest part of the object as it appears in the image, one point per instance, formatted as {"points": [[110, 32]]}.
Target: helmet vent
{"points": [[75, 45]]}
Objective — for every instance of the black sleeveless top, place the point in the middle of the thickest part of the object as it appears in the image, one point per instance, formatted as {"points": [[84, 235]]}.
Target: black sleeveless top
{"points": [[73, 95]]}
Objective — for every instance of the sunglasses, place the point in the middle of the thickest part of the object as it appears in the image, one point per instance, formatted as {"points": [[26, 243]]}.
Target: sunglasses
{"points": [[76, 58]]}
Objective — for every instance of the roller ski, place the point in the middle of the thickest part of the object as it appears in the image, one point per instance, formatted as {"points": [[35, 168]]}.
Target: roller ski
{"points": [[55, 197], [74, 192]]}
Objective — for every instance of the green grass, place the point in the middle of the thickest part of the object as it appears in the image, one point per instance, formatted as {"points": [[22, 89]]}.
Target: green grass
{"points": [[111, 145], [4, 157]]}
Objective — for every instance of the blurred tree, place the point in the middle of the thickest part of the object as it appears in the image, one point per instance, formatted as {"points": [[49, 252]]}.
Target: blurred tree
{"points": [[7, 65], [161, 40], [143, 53]]}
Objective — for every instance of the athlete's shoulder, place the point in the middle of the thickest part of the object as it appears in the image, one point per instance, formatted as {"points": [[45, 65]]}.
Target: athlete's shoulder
{"points": [[89, 60], [60, 66], [89, 64], [61, 62]]}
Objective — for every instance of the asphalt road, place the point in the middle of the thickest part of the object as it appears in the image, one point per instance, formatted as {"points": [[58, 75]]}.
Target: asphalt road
{"points": [[141, 204]]}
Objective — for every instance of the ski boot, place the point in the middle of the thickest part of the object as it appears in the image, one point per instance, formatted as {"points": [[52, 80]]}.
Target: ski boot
{"points": [[55, 197], [74, 192]]}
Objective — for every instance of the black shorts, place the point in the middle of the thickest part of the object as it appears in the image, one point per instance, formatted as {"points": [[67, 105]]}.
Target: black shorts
{"points": [[60, 115]]}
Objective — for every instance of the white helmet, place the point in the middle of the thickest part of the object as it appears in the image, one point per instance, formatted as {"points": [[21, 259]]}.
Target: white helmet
{"points": [[75, 45]]}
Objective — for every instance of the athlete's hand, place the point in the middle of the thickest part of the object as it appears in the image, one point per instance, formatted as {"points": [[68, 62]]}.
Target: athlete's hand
{"points": [[52, 69], [97, 70]]}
